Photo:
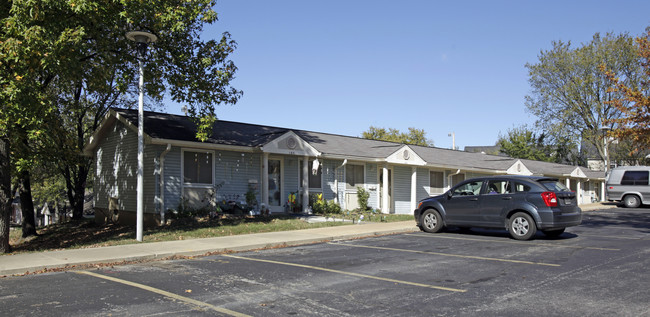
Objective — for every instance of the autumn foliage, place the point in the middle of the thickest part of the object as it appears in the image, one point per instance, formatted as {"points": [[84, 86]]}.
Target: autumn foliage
{"points": [[634, 123]]}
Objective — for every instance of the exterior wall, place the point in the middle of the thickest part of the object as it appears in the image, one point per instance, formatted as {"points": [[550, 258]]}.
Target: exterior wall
{"points": [[422, 184], [235, 170], [292, 180], [402, 189], [371, 185], [116, 175], [173, 189], [330, 171]]}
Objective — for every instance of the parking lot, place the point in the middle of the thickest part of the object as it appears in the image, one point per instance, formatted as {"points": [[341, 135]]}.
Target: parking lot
{"points": [[596, 269]]}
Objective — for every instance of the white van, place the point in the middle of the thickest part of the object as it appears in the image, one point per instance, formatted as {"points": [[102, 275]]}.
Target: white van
{"points": [[629, 184]]}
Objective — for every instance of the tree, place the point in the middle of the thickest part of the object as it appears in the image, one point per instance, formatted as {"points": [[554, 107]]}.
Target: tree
{"points": [[414, 136], [571, 96], [60, 75], [633, 101], [521, 142]]}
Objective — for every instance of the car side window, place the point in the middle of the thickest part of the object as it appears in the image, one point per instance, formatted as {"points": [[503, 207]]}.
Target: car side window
{"points": [[496, 187], [471, 188], [519, 187]]}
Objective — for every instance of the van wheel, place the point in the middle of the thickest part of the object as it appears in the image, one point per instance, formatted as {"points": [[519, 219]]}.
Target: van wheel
{"points": [[522, 226], [631, 201], [431, 221]]}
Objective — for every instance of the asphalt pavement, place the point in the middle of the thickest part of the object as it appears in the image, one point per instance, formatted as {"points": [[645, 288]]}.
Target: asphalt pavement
{"points": [[26, 263]]}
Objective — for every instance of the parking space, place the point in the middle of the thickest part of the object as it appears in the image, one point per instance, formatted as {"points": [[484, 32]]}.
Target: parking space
{"points": [[597, 269]]}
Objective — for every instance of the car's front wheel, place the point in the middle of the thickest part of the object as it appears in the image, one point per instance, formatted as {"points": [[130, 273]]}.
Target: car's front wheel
{"points": [[431, 221], [521, 226]]}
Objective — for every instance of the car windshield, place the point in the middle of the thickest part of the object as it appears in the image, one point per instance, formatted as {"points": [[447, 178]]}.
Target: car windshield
{"points": [[555, 186]]}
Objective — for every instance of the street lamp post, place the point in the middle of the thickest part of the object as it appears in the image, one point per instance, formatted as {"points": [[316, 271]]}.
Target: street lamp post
{"points": [[453, 140], [142, 39]]}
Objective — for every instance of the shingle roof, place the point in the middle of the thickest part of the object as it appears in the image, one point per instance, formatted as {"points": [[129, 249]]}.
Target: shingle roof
{"points": [[181, 128]]}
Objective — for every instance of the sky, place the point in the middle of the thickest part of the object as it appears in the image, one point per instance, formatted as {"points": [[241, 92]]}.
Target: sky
{"points": [[341, 66]]}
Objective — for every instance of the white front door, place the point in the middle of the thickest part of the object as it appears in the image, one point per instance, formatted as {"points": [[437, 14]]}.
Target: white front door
{"points": [[275, 185]]}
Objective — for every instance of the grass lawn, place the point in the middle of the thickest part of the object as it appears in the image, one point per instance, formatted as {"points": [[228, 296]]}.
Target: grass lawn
{"points": [[87, 234]]}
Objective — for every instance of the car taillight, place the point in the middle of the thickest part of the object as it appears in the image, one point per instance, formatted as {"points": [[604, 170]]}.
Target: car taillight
{"points": [[550, 199]]}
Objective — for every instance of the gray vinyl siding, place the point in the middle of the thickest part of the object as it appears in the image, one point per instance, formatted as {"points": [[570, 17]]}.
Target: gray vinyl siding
{"points": [[116, 170], [372, 187], [422, 184], [402, 189], [234, 170], [291, 178], [330, 169], [172, 172]]}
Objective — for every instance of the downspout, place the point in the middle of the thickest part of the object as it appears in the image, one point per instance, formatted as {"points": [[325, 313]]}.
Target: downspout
{"points": [[162, 183], [336, 181], [449, 178]]}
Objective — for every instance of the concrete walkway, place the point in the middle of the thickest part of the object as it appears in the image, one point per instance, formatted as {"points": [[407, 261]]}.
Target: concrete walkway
{"points": [[80, 258]]}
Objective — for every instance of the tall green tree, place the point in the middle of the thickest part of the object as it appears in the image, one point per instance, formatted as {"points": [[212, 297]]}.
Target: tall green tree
{"points": [[414, 136], [60, 75], [571, 96], [522, 142]]}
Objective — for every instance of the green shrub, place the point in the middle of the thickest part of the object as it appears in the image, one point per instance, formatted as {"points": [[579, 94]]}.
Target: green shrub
{"points": [[321, 207], [362, 198]]}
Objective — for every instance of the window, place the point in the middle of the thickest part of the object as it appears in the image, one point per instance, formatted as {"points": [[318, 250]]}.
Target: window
{"points": [[498, 187], [457, 178], [436, 182], [635, 178], [353, 176], [519, 187], [197, 167], [315, 180], [554, 186], [469, 189]]}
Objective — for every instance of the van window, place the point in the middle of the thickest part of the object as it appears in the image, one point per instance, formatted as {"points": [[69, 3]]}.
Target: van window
{"points": [[635, 178]]}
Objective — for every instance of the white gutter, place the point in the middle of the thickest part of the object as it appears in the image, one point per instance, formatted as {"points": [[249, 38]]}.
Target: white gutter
{"points": [[449, 178], [161, 172]]}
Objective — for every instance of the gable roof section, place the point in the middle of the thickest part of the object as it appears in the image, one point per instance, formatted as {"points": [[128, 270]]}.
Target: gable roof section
{"points": [[290, 143], [405, 155]]}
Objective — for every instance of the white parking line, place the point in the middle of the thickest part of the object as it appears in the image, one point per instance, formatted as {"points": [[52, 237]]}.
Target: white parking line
{"points": [[523, 243], [347, 273], [184, 299], [447, 254]]}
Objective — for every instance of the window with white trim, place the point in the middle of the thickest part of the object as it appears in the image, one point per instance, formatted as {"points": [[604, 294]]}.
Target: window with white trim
{"points": [[315, 180], [436, 182], [198, 167], [354, 176]]}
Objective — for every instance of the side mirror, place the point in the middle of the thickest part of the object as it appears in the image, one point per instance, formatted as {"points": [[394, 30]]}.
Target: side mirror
{"points": [[448, 195]]}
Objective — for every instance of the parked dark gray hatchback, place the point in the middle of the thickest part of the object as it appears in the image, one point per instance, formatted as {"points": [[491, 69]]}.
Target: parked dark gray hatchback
{"points": [[520, 204]]}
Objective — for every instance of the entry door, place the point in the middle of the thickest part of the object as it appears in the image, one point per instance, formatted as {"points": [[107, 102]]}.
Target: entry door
{"points": [[275, 185]]}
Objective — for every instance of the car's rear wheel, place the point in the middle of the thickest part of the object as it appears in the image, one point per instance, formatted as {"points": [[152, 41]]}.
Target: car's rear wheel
{"points": [[631, 201], [431, 221], [522, 226], [553, 233]]}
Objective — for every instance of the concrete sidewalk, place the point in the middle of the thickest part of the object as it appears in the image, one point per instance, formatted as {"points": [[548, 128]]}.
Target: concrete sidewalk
{"points": [[78, 258]]}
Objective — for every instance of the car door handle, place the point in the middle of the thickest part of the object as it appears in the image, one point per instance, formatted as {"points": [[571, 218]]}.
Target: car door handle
{"points": [[506, 198], [473, 199]]}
